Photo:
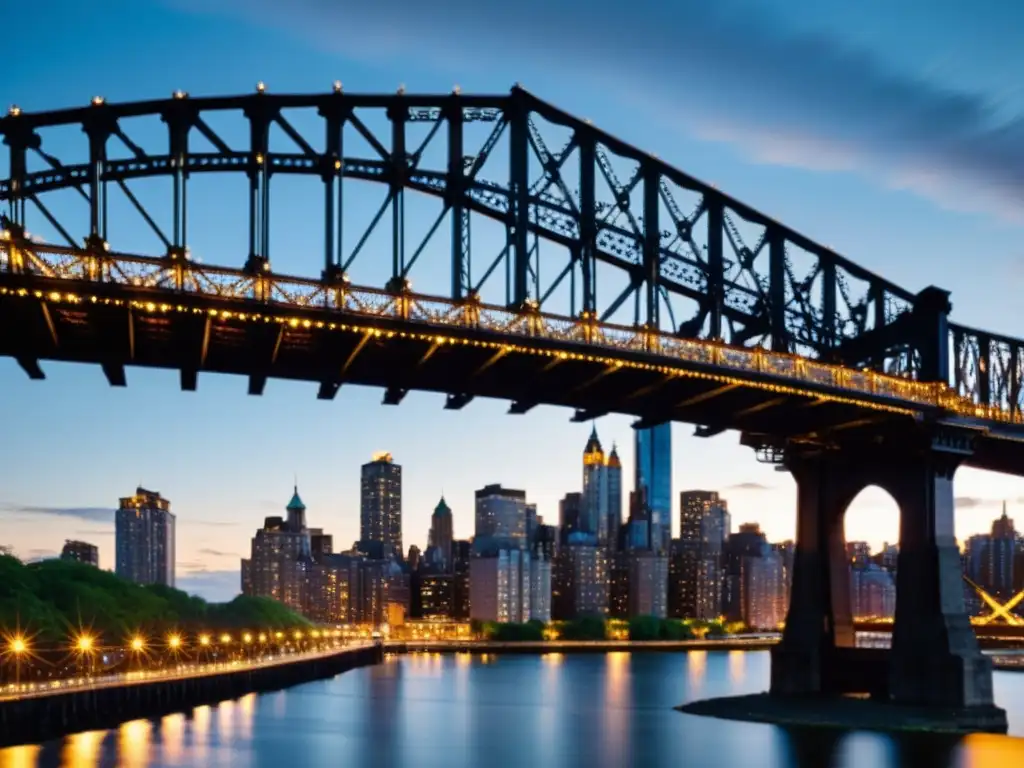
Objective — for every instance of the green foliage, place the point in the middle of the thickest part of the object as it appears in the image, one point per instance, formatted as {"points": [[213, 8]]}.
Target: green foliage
{"points": [[644, 628], [530, 632], [584, 628], [53, 599], [653, 628]]}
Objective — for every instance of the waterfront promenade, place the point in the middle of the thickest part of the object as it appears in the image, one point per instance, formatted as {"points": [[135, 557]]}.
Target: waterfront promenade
{"points": [[179, 672], [36, 713]]}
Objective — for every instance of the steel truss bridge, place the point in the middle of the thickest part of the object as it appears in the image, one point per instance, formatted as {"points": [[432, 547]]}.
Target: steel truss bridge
{"points": [[656, 295]]}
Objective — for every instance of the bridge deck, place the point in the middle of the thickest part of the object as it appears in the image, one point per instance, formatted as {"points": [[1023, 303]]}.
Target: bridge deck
{"points": [[263, 341]]}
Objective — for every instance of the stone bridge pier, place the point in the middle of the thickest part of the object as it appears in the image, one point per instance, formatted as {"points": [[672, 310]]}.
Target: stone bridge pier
{"points": [[935, 660]]}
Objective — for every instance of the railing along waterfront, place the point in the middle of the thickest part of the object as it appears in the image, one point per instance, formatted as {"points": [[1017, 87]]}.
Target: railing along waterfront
{"points": [[15, 691]]}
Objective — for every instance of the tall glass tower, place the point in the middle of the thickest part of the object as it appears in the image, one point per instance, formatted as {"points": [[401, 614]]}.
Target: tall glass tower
{"points": [[654, 475], [380, 505]]}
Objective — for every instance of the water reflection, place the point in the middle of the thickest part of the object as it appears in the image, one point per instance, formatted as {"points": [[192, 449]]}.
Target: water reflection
{"points": [[82, 750], [616, 707], [172, 738], [19, 757], [549, 711], [133, 744]]}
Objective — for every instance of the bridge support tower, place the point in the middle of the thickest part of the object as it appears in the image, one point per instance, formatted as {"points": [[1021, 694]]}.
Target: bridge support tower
{"points": [[935, 660]]}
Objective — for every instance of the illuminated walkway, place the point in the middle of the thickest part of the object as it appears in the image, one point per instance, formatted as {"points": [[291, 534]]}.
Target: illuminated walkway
{"points": [[179, 672]]}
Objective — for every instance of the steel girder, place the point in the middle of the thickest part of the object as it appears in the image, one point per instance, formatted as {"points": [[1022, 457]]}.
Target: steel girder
{"points": [[622, 232]]}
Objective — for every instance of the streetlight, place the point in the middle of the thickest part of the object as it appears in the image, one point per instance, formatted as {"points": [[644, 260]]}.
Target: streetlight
{"points": [[18, 647], [174, 642], [85, 644]]}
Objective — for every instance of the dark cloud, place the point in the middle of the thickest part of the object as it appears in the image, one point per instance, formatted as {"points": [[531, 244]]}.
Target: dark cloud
{"points": [[750, 486], [89, 514], [216, 553], [726, 69]]}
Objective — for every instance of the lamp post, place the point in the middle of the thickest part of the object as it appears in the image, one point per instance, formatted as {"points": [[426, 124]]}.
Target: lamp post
{"points": [[138, 645], [18, 648], [85, 645]]}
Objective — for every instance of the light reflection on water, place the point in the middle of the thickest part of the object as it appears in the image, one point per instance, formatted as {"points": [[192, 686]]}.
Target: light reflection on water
{"points": [[551, 711]]}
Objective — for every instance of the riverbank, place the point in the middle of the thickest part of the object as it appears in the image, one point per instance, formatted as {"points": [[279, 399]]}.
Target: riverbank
{"points": [[51, 714], [576, 646]]}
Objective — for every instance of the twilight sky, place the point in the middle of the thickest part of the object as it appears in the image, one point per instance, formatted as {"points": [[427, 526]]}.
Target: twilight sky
{"points": [[892, 130]]}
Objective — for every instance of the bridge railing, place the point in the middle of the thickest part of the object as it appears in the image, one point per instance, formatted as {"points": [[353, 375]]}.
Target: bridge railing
{"points": [[67, 273]]}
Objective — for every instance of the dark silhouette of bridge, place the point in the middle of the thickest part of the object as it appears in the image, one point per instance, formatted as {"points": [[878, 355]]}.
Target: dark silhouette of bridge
{"points": [[737, 321]]}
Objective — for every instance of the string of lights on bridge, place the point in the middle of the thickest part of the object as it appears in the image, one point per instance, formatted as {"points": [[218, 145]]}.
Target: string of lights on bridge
{"points": [[442, 313]]}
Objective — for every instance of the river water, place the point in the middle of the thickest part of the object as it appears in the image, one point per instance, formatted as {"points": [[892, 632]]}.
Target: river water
{"points": [[552, 711]]}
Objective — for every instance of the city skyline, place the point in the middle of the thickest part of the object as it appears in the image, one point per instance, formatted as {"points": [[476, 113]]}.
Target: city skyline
{"points": [[227, 460]]}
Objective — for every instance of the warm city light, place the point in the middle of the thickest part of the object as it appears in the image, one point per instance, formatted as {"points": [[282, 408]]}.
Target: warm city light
{"points": [[174, 641], [138, 643], [279, 635], [263, 637], [204, 639], [315, 633], [247, 637], [298, 635], [18, 645], [225, 638], [84, 643]]}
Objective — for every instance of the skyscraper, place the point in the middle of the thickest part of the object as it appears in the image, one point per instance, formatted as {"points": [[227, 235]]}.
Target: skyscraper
{"points": [[654, 473], [144, 528], [1001, 555], [280, 562], [441, 532], [601, 509], [81, 551], [690, 572], [613, 508], [500, 518], [380, 507], [594, 514]]}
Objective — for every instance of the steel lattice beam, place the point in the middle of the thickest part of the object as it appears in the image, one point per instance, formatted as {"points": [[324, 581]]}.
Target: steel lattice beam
{"points": [[688, 258]]}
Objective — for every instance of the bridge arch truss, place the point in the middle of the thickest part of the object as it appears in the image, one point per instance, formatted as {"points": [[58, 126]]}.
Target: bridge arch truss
{"points": [[534, 208]]}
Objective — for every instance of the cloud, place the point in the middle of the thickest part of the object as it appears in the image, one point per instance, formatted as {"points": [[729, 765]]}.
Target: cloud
{"points": [[728, 71], [749, 487], [976, 502], [217, 553], [215, 586], [41, 554], [94, 532], [89, 514]]}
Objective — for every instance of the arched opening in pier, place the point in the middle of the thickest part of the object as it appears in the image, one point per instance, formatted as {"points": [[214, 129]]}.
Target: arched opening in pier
{"points": [[871, 532]]}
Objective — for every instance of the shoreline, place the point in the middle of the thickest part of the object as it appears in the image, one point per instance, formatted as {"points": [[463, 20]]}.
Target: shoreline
{"points": [[574, 646], [479, 647]]}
